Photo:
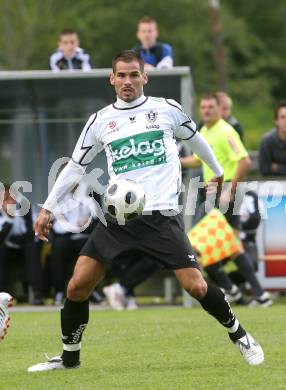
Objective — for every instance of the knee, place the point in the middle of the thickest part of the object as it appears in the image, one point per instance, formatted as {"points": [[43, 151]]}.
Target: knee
{"points": [[76, 290], [197, 289]]}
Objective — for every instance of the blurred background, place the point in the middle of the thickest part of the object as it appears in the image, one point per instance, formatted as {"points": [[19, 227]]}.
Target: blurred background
{"points": [[226, 45], [253, 35]]}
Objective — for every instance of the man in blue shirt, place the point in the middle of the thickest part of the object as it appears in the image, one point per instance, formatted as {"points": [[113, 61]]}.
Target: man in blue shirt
{"points": [[154, 54]]}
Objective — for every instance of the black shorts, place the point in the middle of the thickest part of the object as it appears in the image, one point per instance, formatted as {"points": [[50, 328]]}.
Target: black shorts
{"points": [[162, 238]]}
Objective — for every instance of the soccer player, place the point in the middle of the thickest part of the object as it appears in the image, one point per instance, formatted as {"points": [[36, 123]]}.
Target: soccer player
{"points": [[233, 157], [69, 55], [138, 135]]}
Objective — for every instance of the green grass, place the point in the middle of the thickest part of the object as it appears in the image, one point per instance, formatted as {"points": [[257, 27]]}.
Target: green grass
{"points": [[172, 348]]}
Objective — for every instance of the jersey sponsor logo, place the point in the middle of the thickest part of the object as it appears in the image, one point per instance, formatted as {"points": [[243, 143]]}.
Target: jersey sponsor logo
{"points": [[151, 116], [148, 127], [140, 151]]}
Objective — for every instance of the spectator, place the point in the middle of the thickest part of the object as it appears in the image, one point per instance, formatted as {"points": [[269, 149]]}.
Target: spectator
{"points": [[272, 150], [69, 55], [17, 243], [154, 54], [225, 103], [234, 159]]}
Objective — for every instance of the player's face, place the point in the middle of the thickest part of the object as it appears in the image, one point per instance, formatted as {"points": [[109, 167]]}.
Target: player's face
{"points": [[68, 44], [147, 34], [280, 121], [128, 80], [209, 111]]}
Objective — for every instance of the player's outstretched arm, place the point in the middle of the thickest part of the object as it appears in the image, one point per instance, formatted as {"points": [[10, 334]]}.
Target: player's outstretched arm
{"points": [[67, 180]]}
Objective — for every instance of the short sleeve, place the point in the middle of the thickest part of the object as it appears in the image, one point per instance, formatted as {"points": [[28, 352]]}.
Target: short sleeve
{"points": [[183, 126], [88, 145]]}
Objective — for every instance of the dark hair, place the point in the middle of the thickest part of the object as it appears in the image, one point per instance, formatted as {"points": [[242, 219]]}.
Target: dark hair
{"points": [[210, 96], [68, 31], [127, 56], [147, 19], [277, 108]]}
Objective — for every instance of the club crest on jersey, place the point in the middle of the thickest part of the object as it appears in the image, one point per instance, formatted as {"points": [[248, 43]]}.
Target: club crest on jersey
{"points": [[151, 116]]}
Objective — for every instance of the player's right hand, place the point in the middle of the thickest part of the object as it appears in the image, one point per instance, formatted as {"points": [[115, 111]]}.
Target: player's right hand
{"points": [[43, 224]]}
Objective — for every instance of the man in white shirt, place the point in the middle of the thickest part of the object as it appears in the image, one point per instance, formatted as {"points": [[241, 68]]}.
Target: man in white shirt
{"points": [[69, 56], [138, 135]]}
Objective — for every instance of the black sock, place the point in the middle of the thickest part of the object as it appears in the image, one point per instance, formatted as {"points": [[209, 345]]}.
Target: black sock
{"points": [[74, 319], [215, 303]]}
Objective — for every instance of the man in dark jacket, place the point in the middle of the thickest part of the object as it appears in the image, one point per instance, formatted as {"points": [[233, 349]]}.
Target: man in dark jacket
{"points": [[272, 150]]}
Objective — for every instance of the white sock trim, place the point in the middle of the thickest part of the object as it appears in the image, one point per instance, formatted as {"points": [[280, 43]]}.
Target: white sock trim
{"points": [[72, 347], [234, 328]]}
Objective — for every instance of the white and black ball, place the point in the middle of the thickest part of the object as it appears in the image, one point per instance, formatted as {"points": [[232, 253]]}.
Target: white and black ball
{"points": [[124, 199]]}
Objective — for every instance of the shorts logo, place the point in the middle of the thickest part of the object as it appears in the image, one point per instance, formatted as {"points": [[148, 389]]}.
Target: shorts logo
{"points": [[151, 116], [191, 257], [140, 151], [112, 124]]}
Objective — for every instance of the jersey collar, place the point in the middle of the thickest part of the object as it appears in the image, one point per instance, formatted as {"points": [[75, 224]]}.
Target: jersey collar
{"points": [[122, 105]]}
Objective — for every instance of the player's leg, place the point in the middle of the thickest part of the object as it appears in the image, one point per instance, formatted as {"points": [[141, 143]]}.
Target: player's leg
{"points": [[214, 302], [88, 272], [74, 315], [221, 279], [211, 298]]}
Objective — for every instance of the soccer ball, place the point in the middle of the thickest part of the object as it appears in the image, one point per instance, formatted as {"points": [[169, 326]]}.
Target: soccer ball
{"points": [[124, 199]]}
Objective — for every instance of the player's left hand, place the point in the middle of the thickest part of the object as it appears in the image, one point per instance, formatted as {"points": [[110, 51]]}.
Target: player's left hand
{"points": [[214, 186]]}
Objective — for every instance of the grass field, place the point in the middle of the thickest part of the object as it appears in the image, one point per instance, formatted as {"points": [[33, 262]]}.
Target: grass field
{"points": [[156, 349]]}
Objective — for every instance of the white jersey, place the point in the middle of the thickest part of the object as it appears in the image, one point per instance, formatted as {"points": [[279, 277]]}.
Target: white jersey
{"points": [[139, 142]]}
